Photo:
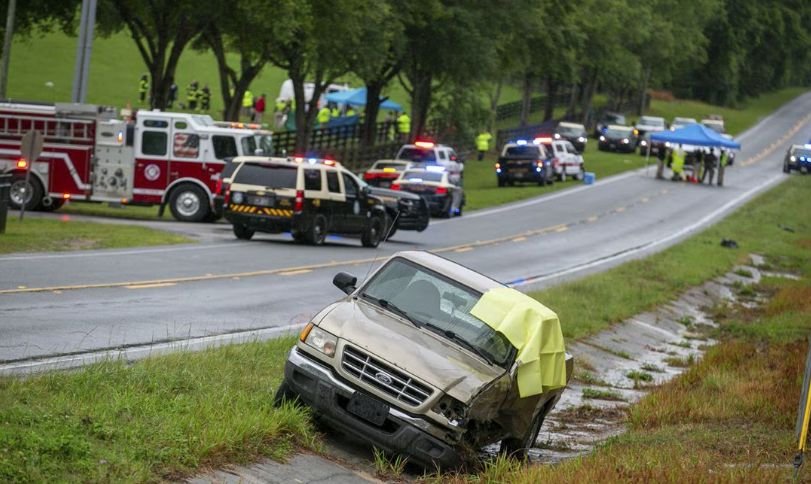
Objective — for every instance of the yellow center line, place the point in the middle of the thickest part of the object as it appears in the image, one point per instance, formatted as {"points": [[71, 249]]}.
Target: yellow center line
{"points": [[619, 209], [295, 273], [464, 249], [519, 239], [562, 228], [150, 286], [592, 219]]}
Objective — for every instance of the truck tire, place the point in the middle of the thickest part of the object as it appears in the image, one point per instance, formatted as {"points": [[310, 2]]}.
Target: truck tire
{"points": [[317, 232], [243, 232], [374, 232], [390, 230], [20, 193], [189, 203], [516, 448]]}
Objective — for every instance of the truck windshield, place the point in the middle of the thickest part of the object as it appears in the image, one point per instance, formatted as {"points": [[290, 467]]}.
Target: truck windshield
{"points": [[618, 133], [417, 154], [270, 176], [526, 151], [439, 303]]}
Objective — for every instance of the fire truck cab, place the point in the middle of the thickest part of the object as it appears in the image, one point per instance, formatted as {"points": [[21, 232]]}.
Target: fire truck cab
{"points": [[153, 157]]}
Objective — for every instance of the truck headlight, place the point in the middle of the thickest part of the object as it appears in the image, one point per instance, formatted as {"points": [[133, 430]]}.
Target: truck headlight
{"points": [[626, 140], [602, 138], [237, 197], [793, 158], [582, 139], [319, 339], [454, 410]]}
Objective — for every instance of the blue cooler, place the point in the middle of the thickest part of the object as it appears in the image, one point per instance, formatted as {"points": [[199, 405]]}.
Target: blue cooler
{"points": [[589, 178]]}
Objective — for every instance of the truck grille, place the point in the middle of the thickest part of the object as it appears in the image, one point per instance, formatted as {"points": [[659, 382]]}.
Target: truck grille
{"points": [[382, 376]]}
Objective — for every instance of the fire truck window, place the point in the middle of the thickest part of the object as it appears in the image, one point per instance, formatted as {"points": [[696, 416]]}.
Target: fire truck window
{"points": [[332, 182], [224, 147], [181, 125], [153, 123], [312, 180], [154, 143], [186, 145]]}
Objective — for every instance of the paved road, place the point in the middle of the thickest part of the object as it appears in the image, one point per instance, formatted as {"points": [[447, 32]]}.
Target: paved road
{"points": [[73, 302]]}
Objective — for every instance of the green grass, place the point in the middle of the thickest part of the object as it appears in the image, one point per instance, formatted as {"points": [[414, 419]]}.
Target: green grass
{"points": [[592, 304], [122, 211], [158, 419], [44, 235], [600, 394]]}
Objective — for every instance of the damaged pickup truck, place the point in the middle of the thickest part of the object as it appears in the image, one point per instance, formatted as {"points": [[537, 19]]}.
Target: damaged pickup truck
{"points": [[431, 360]]}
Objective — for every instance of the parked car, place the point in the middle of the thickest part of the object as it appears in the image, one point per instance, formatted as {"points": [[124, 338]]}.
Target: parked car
{"points": [[649, 124], [655, 146], [383, 172], [618, 138], [566, 161], [410, 361], [524, 162], [574, 133], [798, 158], [423, 153], [442, 191], [606, 120], [679, 122]]}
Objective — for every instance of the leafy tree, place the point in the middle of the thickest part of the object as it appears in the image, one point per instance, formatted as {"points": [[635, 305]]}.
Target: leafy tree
{"points": [[41, 15], [161, 30]]}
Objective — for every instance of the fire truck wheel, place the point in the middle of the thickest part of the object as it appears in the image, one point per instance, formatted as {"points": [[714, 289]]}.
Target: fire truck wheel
{"points": [[20, 193], [56, 204], [189, 203], [242, 232]]}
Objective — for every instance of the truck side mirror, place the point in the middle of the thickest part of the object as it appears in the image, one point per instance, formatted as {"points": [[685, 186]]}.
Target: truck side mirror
{"points": [[345, 282]]}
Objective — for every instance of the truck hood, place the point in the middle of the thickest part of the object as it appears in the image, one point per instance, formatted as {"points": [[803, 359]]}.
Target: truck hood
{"points": [[418, 352]]}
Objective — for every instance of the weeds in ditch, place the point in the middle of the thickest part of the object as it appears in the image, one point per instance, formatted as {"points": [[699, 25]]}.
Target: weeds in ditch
{"points": [[680, 361], [389, 467], [652, 368], [639, 377], [589, 378], [744, 273], [601, 394]]}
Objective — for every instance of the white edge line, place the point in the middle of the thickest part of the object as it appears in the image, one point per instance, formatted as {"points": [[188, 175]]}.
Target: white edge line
{"points": [[646, 247], [144, 351]]}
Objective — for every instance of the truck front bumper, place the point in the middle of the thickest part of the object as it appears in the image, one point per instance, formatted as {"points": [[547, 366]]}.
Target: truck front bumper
{"points": [[328, 395]]}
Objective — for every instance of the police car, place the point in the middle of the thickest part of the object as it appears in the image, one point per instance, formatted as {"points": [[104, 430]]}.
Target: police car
{"points": [[441, 189], [618, 138], [798, 158], [384, 172], [426, 153], [309, 197], [521, 161]]}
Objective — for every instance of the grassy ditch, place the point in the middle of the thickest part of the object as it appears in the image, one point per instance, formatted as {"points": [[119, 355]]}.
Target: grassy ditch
{"points": [[45, 235], [769, 224], [158, 419]]}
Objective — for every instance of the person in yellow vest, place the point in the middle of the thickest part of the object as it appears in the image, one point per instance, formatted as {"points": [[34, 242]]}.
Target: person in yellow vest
{"points": [[403, 126], [323, 117], [191, 95], [483, 143], [350, 111], [678, 164], [723, 161], [334, 112], [143, 88], [247, 104]]}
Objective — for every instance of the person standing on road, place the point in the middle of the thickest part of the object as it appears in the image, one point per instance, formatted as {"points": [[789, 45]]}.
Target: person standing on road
{"points": [[483, 143], [205, 98], [678, 164], [709, 166], [403, 126], [661, 156], [722, 163], [143, 89]]}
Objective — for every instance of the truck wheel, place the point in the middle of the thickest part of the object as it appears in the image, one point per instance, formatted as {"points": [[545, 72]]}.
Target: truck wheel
{"points": [[20, 193], [189, 203], [390, 230], [374, 232], [317, 232], [243, 232], [517, 448], [786, 169]]}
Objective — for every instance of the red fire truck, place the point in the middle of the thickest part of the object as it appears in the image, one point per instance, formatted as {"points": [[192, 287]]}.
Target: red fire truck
{"points": [[154, 157]]}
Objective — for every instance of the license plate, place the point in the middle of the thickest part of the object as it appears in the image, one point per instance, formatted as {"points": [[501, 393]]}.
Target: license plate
{"points": [[368, 408], [519, 171], [261, 201]]}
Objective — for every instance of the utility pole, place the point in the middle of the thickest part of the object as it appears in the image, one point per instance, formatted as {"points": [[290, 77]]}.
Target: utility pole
{"points": [[84, 48], [12, 5]]}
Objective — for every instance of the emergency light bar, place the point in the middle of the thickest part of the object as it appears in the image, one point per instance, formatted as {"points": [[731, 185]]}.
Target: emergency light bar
{"points": [[435, 168], [424, 144], [521, 142], [389, 170], [542, 140]]}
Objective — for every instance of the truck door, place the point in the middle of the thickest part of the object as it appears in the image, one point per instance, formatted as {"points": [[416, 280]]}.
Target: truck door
{"points": [[186, 160], [354, 209], [151, 159]]}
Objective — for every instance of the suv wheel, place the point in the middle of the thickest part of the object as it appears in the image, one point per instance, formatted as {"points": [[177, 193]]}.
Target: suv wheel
{"points": [[317, 232], [390, 229], [786, 169], [374, 232], [243, 232]]}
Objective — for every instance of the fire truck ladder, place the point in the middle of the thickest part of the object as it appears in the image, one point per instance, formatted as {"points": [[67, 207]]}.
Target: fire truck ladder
{"points": [[80, 131]]}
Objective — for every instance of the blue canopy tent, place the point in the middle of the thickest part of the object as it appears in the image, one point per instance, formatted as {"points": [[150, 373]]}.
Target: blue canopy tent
{"points": [[357, 97], [696, 135]]}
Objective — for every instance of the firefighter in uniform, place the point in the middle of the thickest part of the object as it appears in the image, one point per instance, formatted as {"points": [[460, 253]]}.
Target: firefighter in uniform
{"points": [[334, 112], [678, 164], [403, 126], [483, 143], [143, 88], [247, 104], [191, 95]]}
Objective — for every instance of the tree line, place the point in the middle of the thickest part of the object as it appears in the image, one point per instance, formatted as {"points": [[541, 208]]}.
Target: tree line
{"points": [[452, 55]]}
